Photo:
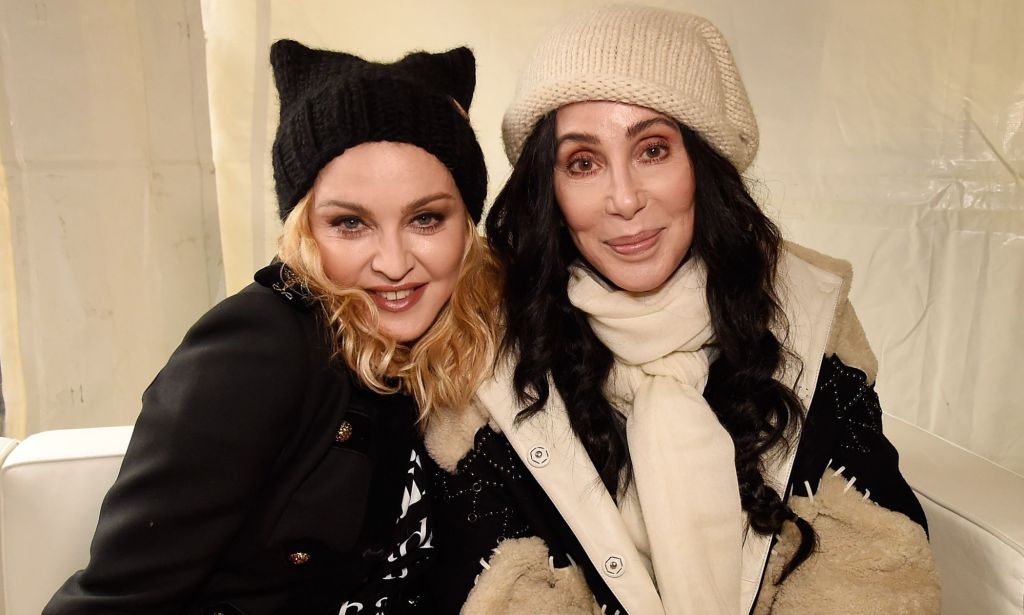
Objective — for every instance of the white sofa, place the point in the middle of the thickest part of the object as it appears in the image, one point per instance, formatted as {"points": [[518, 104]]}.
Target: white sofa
{"points": [[975, 513], [6, 446], [51, 486]]}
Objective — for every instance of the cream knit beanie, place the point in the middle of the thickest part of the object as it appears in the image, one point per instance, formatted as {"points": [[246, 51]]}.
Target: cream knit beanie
{"points": [[674, 63]]}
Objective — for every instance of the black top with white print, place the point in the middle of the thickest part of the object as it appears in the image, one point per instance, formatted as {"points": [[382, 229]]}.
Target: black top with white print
{"points": [[396, 586]]}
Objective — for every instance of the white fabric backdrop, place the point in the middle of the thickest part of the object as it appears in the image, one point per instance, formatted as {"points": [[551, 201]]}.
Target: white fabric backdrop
{"points": [[108, 226], [892, 136]]}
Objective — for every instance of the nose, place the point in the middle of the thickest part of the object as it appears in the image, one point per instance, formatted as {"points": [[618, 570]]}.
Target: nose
{"points": [[626, 197], [393, 259]]}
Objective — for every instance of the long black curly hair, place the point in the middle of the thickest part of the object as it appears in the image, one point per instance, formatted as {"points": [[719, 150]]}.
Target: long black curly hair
{"points": [[740, 247]]}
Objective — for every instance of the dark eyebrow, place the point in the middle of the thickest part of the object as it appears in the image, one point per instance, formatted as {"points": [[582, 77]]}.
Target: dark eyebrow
{"points": [[577, 137], [643, 125], [632, 131], [362, 210]]}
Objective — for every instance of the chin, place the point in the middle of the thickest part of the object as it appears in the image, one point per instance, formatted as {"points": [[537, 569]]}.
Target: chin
{"points": [[403, 334], [641, 281], [638, 287]]}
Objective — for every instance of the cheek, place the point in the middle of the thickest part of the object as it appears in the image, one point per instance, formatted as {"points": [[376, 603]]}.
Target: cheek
{"points": [[685, 187], [341, 262], [685, 213], [453, 260], [689, 215], [580, 209], [443, 257]]}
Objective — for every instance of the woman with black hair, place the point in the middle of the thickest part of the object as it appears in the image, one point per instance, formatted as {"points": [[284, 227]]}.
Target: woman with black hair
{"points": [[680, 388]]}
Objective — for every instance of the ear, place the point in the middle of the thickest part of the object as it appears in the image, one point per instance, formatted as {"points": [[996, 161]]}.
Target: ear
{"points": [[452, 72]]}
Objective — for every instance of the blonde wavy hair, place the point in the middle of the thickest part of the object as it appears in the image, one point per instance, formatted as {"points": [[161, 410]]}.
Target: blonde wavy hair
{"points": [[444, 367]]}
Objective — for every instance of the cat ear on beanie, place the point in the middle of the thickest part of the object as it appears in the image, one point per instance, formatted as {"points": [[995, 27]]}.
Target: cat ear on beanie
{"points": [[453, 73], [298, 68], [462, 67]]}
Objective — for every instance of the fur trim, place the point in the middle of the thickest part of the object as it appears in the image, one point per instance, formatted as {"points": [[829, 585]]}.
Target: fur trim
{"points": [[849, 342], [847, 339], [519, 578], [450, 435], [868, 560]]}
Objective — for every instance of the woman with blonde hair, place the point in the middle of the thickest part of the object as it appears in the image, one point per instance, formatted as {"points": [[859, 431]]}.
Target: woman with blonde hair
{"points": [[684, 419], [275, 465]]}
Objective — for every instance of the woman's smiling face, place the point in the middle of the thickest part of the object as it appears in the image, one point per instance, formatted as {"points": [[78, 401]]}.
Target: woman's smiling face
{"points": [[388, 219], [625, 186]]}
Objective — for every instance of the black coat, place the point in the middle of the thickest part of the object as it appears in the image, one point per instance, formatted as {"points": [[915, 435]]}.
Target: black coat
{"points": [[234, 495]]}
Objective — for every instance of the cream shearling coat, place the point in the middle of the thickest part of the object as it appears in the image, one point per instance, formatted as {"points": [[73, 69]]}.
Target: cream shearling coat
{"points": [[814, 290]]}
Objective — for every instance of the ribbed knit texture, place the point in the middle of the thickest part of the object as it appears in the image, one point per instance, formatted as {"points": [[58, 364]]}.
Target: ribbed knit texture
{"points": [[675, 63], [331, 101], [683, 459]]}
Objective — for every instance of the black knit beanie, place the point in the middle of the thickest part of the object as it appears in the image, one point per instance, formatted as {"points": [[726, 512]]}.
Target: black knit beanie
{"points": [[331, 101]]}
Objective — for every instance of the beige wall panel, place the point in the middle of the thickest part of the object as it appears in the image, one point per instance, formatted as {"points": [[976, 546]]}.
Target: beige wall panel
{"points": [[12, 376], [896, 142], [110, 183]]}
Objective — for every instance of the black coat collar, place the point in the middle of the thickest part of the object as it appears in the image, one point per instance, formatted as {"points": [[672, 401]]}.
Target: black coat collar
{"points": [[279, 278]]}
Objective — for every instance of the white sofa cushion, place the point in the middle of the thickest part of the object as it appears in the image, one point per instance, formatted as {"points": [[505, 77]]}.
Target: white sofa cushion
{"points": [[975, 515], [51, 486], [6, 446]]}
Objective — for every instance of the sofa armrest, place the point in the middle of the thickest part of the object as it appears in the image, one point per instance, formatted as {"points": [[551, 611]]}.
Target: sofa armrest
{"points": [[51, 487], [975, 515]]}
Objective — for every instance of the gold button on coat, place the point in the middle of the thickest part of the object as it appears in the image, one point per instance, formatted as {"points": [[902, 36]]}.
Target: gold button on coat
{"points": [[298, 558], [344, 432]]}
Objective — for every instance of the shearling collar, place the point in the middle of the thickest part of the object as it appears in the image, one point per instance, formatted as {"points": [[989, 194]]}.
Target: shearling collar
{"points": [[847, 339]]}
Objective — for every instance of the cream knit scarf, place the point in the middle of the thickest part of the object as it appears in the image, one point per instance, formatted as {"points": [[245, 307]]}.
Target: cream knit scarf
{"points": [[683, 461]]}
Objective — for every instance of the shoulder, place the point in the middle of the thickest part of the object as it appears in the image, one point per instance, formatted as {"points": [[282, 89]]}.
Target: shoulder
{"points": [[847, 339], [822, 261], [843, 431], [844, 416], [257, 315], [844, 393], [258, 303], [251, 365], [252, 341]]}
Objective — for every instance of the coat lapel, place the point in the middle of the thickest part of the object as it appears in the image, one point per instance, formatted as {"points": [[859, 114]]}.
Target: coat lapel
{"points": [[810, 296], [563, 469]]}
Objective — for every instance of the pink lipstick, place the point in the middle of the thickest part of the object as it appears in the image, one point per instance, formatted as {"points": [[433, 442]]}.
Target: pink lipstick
{"points": [[399, 298], [632, 245]]}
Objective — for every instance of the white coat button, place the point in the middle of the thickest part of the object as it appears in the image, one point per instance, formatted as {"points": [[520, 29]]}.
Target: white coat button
{"points": [[539, 457], [614, 566]]}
